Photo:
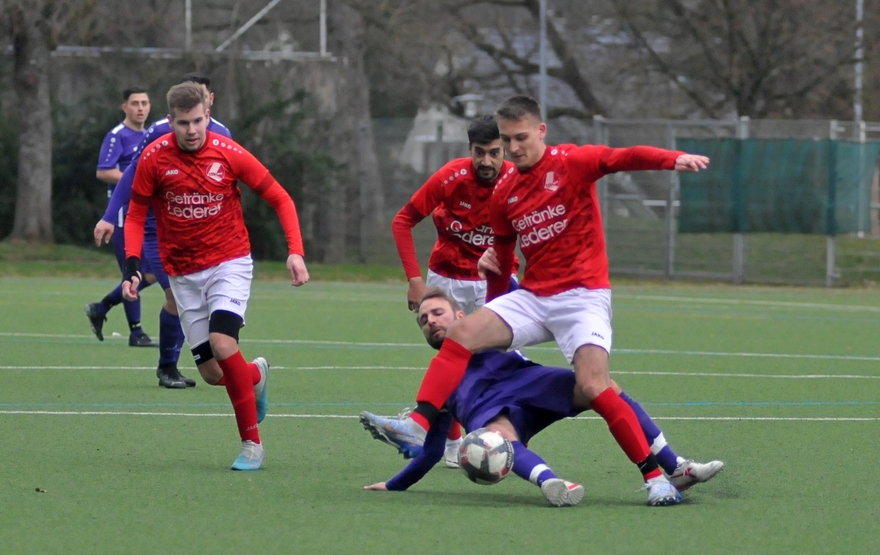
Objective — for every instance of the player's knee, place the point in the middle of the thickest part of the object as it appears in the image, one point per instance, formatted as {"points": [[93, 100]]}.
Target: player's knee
{"points": [[223, 328]]}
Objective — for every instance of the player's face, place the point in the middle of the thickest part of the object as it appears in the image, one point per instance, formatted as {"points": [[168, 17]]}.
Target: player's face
{"points": [[487, 159], [137, 108], [190, 127], [435, 315], [524, 140]]}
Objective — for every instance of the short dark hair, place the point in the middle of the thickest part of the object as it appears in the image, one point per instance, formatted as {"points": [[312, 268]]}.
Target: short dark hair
{"points": [[196, 77], [184, 96], [483, 130], [438, 293], [132, 90], [518, 107]]}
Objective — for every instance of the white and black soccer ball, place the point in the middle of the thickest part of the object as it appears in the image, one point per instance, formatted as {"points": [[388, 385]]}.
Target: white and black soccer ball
{"points": [[485, 456]]}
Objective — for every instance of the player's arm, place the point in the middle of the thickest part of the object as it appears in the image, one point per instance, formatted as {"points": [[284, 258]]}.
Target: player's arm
{"points": [[142, 190], [108, 160], [257, 177], [423, 202], [432, 453], [596, 161], [120, 198], [504, 247]]}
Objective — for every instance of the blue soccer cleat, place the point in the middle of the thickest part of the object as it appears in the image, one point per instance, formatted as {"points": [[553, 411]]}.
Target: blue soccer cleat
{"points": [[403, 434], [260, 388], [661, 493], [251, 457]]}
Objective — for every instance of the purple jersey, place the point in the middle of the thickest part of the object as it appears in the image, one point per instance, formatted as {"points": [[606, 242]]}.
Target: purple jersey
{"points": [[532, 396], [119, 149], [122, 194]]}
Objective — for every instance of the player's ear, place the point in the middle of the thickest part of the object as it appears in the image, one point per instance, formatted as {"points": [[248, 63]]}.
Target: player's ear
{"points": [[459, 315], [542, 130], [207, 113]]}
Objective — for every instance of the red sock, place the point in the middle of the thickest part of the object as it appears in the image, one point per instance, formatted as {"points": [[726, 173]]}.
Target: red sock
{"points": [[455, 431], [240, 388], [444, 374], [625, 428], [255, 374]]}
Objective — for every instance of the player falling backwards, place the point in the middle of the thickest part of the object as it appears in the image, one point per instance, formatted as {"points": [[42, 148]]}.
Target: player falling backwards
{"points": [[170, 332], [519, 398], [189, 177], [458, 195], [551, 207]]}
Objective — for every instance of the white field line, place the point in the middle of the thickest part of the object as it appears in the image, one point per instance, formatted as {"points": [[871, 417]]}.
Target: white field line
{"points": [[352, 417], [783, 304], [355, 344], [422, 368]]}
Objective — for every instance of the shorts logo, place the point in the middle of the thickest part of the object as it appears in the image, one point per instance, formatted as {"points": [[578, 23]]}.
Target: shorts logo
{"points": [[599, 335], [215, 172], [236, 302], [551, 182]]}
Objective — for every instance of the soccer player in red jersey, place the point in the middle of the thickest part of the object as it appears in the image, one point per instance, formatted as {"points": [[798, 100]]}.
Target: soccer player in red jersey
{"points": [[458, 194], [550, 206], [189, 177]]}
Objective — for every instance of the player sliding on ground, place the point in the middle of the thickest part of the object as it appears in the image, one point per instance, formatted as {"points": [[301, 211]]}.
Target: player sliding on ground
{"points": [[190, 178], [519, 398], [551, 207]]}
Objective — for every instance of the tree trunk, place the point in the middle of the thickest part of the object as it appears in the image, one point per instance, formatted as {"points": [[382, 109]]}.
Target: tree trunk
{"points": [[33, 203]]}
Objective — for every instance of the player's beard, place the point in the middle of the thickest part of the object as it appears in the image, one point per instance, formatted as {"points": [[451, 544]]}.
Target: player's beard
{"points": [[481, 174], [435, 342]]}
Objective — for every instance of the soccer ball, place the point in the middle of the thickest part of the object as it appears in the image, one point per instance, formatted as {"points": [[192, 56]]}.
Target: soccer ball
{"points": [[485, 457]]}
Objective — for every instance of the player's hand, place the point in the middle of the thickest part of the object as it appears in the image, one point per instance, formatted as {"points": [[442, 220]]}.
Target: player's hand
{"points": [[691, 163], [379, 486], [103, 232], [416, 291], [488, 263], [299, 275], [130, 288]]}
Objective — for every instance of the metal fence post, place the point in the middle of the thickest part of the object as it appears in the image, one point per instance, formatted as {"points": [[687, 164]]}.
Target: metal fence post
{"points": [[831, 239], [671, 195], [739, 239]]}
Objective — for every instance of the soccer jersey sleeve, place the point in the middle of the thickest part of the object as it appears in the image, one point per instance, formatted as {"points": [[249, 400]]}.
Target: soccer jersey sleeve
{"points": [[121, 194], [111, 151], [142, 190], [432, 452], [401, 230], [255, 175], [596, 161]]}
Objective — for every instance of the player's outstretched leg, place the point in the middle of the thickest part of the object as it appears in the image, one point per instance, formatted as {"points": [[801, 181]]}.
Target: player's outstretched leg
{"points": [[170, 343], [688, 473], [529, 466], [239, 377], [402, 433], [453, 443], [261, 389]]}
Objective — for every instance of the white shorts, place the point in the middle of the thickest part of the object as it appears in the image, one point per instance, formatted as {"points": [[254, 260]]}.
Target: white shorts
{"points": [[573, 318], [470, 294], [226, 286]]}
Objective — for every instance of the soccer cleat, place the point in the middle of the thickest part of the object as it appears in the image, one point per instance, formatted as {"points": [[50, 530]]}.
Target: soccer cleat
{"points": [[451, 453], [96, 320], [141, 340], [689, 472], [188, 381], [404, 434], [562, 493], [251, 457], [661, 493], [260, 393], [169, 377]]}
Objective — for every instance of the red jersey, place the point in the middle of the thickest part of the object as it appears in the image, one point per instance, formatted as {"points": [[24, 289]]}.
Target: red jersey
{"points": [[197, 203], [553, 210], [460, 202]]}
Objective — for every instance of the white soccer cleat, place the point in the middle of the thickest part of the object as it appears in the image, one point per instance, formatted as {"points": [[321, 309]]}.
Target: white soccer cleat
{"points": [[260, 390], [689, 472], [562, 493], [661, 493], [251, 457], [451, 453]]}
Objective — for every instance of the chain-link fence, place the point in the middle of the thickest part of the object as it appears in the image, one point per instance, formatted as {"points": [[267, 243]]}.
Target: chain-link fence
{"points": [[641, 229]]}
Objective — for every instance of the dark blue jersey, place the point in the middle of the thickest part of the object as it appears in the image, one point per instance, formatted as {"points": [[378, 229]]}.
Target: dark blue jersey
{"points": [[530, 395], [119, 149], [122, 194]]}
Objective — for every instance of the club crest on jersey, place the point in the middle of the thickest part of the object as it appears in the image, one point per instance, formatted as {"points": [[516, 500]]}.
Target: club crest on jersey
{"points": [[551, 181], [215, 172]]}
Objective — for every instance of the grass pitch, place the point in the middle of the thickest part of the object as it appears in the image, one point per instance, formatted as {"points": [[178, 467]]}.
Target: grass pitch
{"points": [[782, 384]]}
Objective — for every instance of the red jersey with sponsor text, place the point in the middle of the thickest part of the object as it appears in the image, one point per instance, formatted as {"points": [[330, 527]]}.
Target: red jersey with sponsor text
{"points": [[196, 199], [553, 211], [460, 202]]}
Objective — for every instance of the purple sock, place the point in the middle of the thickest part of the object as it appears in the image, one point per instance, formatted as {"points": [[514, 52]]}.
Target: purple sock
{"points": [[529, 466], [170, 338], [666, 458]]}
